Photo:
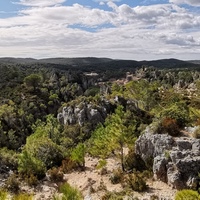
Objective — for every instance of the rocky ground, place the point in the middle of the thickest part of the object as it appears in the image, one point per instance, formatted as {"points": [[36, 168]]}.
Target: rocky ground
{"points": [[93, 184]]}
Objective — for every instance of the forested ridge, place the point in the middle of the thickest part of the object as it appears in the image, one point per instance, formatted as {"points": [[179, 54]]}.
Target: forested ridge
{"points": [[56, 112]]}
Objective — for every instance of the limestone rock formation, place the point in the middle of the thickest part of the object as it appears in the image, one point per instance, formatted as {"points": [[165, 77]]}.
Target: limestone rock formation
{"points": [[176, 161], [85, 112]]}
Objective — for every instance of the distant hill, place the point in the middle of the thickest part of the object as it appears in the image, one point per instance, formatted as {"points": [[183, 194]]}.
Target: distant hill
{"points": [[92, 63], [10, 60], [195, 62]]}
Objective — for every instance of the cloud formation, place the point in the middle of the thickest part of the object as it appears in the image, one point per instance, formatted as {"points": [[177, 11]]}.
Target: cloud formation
{"points": [[189, 2], [40, 3], [52, 29]]}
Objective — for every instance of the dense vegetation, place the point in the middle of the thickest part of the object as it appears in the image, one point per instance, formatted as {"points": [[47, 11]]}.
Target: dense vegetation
{"points": [[33, 142]]}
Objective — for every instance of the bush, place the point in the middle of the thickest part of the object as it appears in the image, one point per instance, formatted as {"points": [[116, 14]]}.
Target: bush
{"points": [[133, 161], [3, 195], [178, 111], [69, 193], [170, 126], [78, 155], [22, 197], [117, 176], [101, 164], [31, 180], [45, 150], [135, 182], [12, 183], [8, 158], [28, 165], [187, 195], [55, 174]]}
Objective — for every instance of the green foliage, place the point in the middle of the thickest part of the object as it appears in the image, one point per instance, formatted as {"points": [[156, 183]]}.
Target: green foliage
{"points": [[117, 133], [31, 180], [135, 182], [12, 183], [53, 97], [92, 91], [40, 152], [187, 194], [22, 196], [144, 92], [3, 194], [101, 164], [33, 80], [69, 193], [117, 176], [134, 162], [8, 124], [29, 165], [177, 111], [8, 158], [46, 151], [78, 155]]}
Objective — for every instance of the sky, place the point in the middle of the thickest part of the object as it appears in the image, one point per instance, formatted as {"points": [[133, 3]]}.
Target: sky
{"points": [[118, 29]]}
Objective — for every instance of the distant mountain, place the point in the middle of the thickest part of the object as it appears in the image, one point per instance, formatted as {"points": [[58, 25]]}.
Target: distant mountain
{"points": [[75, 61], [92, 63], [10, 60], [195, 62]]}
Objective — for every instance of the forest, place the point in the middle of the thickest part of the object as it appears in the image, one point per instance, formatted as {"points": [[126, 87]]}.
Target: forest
{"points": [[55, 114]]}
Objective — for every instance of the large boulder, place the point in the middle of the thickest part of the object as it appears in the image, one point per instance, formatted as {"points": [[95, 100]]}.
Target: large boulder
{"points": [[176, 161]]}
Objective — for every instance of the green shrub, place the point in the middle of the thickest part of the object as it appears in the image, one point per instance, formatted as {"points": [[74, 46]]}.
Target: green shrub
{"points": [[117, 176], [68, 193], [78, 155], [22, 197], [101, 164], [31, 180], [135, 182], [12, 183], [187, 195], [29, 165], [3, 195], [8, 158], [133, 161]]}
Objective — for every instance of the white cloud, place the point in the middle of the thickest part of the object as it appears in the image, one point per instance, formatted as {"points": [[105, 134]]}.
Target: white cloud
{"points": [[40, 3], [101, 3], [189, 2], [142, 32]]}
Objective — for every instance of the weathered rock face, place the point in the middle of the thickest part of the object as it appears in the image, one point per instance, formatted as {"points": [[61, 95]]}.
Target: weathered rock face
{"points": [[85, 112], [175, 160]]}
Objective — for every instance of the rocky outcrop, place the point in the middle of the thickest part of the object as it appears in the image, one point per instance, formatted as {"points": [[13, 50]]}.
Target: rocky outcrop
{"points": [[85, 112], [176, 161]]}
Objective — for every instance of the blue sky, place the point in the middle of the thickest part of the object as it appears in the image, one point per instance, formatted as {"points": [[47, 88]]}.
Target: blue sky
{"points": [[122, 29]]}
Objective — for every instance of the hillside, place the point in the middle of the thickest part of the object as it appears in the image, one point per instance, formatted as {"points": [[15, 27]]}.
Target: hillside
{"points": [[63, 118], [93, 63]]}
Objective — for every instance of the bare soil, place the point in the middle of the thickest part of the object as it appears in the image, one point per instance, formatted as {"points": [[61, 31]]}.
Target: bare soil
{"points": [[93, 184]]}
